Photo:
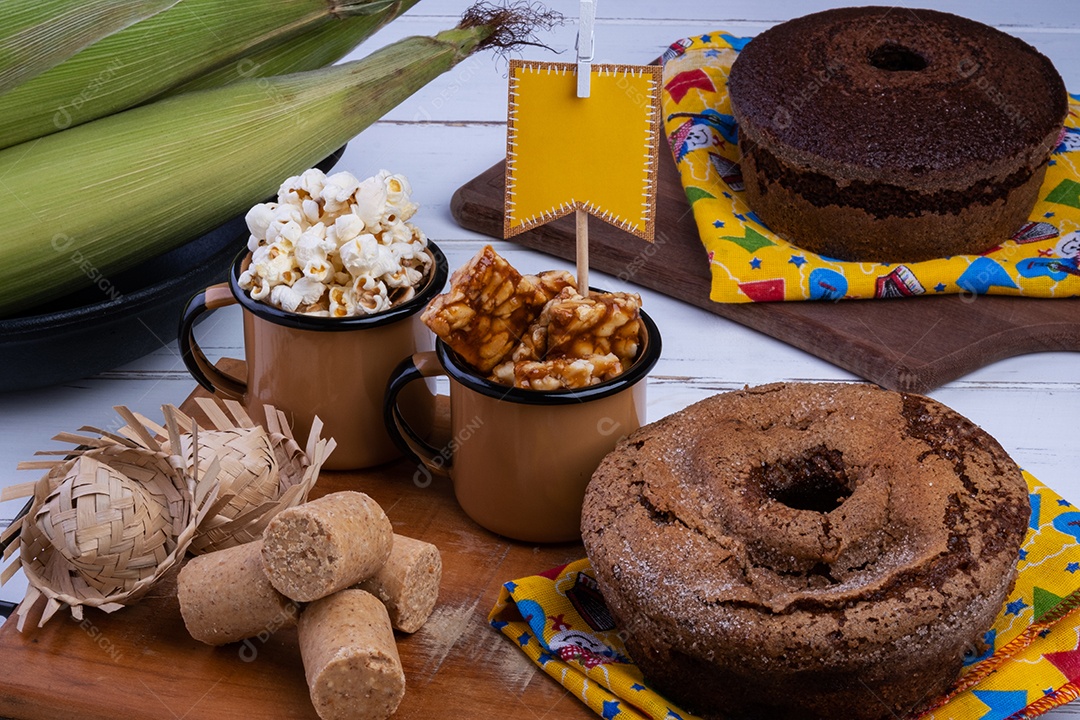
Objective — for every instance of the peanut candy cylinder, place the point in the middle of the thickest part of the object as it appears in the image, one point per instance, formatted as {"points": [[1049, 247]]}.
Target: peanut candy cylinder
{"points": [[225, 596], [315, 549], [408, 584], [350, 657]]}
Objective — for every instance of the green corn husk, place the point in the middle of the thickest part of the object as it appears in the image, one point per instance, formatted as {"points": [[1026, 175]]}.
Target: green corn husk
{"points": [[90, 201], [310, 50], [37, 35], [146, 59]]}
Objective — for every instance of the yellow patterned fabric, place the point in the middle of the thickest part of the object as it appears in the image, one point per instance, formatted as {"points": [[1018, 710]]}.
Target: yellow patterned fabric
{"points": [[1031, 663], [749, 263]]}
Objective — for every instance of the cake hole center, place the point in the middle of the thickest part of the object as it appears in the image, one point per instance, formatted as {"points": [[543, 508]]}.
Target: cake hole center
{"points": [[816, 481], [897, 58], [817, 493]]}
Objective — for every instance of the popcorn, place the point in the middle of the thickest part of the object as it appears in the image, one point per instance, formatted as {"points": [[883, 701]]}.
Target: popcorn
{"points": [[405, 277], [398, 191], [312, 253], [371, 294], [258, 220], [342, 302], [309, 290], [287, 232], [268, 220], [312, 211], [346, 228], [285, 298], [256, 286], [335, 246], [339, 191], [412, 247], [275, 264], [370, 204], [296, 189], [399, 232], [366, 256]]}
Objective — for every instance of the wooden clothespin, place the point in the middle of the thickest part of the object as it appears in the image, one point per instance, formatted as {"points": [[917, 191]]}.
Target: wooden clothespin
{"points": [[585, 43]]}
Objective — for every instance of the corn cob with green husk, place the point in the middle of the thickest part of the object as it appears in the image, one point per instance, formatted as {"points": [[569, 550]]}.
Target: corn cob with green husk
{"points": [[146, 59], [38, 34], [311, 49], [95, 199]]}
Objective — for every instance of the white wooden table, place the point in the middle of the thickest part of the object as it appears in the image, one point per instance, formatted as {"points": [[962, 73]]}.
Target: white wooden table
{"points": [[455, 128]]}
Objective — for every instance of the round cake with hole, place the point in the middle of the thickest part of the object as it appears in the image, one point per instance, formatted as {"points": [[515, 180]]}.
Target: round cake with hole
{"points": [[794, 550]]}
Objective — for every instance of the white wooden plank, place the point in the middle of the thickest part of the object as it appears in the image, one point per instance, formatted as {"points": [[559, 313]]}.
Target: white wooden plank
{"points": [[475, 90], [1048, 13]]}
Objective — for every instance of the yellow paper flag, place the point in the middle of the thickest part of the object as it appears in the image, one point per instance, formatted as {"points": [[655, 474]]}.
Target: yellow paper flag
{"points": [[597, 153]]}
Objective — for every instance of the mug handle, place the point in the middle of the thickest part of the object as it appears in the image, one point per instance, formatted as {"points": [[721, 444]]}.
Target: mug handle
{"points": [[217, 382], [420, 365]]}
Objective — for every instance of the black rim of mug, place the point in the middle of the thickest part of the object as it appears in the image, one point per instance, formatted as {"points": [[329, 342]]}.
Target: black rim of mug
{"points": [[459, 371], [433, 286]]}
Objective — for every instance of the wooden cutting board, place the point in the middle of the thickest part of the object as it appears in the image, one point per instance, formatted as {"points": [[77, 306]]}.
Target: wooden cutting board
{"points": [[914, 344], [141, 663]]}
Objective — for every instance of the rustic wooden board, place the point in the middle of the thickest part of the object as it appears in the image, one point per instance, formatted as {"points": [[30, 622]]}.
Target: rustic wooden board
{"points": [[140, 662], [912, 344]]}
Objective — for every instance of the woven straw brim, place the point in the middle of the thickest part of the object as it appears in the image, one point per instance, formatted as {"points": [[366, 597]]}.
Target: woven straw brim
{"points": [[136, 563]]}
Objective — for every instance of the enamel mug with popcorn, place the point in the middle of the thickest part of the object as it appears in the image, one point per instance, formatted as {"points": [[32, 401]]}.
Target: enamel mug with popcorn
{"points": [[309, 365]]}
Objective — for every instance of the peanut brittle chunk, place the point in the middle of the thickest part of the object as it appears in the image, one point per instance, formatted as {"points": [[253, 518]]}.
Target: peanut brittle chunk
{"points": [[603, 323], [550, 283], [566, 373], [534, 331], [575, 342], [487, 309]]}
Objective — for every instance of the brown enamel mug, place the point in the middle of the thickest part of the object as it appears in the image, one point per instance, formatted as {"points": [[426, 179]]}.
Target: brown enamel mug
{"points": [[333, 368], [520, 459]]}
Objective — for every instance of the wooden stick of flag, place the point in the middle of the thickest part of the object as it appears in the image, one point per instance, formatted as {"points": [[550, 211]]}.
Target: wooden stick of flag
{"points": [[586, 41]]}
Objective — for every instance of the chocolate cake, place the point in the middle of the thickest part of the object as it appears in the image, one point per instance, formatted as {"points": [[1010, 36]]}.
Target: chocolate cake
{"points": [[893, 134], [805, 550]]}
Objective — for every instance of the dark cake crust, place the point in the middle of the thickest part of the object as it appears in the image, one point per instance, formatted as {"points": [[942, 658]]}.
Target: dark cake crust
{"points": [[914, 116], [792, 549]]}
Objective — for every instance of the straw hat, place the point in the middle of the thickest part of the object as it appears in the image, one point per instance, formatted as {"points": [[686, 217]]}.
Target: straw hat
{"points": [[118, 511], [109, 526], [107, 520], [262, 471]]}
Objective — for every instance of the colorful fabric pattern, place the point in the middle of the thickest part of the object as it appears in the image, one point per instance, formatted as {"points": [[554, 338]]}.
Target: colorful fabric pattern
{"points": [[750, 264], [1031, 665]]}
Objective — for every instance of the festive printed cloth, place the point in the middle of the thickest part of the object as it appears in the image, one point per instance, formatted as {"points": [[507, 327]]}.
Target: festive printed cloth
{"points": [[1031, 665], [751, 264]]}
